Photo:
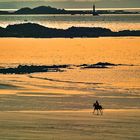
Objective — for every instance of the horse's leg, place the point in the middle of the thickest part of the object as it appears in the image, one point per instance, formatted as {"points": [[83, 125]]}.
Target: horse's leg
{"points": [[94, 111], [101, 112], [97, 111]]}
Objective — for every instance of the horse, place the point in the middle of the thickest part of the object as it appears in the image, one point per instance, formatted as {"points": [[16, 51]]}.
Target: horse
{"points": [[98, 108]]}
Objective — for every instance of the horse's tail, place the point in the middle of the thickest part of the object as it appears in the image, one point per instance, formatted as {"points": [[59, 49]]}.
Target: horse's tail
{"points": [[101, 107]]}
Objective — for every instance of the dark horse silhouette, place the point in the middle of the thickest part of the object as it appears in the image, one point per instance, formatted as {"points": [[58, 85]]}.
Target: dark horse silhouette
{"points": [[97, 108]]}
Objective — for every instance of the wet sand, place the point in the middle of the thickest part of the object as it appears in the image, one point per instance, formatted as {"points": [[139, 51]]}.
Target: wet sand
{"points": [[67, 125]]}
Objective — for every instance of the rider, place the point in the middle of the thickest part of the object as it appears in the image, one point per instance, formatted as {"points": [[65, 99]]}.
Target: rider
{"points": [[97, 103], [96, 106]]}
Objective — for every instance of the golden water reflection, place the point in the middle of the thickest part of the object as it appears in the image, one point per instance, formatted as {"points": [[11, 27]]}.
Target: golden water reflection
{"points": [[70, 51]]}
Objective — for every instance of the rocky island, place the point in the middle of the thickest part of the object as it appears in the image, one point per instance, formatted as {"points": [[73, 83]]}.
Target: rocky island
{"points": [[33, 30]]}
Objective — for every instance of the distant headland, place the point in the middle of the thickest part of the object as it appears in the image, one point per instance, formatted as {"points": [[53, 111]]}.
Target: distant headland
{"points": [[52, 10], [33, 30]]}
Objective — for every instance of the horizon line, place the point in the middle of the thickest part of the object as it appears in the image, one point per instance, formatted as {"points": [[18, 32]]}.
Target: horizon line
{"points": [[14, 9]]}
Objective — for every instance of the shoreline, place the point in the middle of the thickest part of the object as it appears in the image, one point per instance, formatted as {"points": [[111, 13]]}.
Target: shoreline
{"points": [[78, 38], [34, 30], [102, 37]]}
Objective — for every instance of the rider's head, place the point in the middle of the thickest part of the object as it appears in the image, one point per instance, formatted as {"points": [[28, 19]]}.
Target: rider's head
{"points": [[96, 101]]}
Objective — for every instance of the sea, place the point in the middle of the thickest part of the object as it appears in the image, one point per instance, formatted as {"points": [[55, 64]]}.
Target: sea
{"points": [[116, 87], [115, 22]]}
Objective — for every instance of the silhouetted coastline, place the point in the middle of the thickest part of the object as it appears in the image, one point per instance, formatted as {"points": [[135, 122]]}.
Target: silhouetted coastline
{"points": [[32, 30], [41, 10], [52, 10]]}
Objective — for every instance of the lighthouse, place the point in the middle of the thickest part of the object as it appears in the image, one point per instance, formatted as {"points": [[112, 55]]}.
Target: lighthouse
{"points": [[94, 13], [94, 9]]}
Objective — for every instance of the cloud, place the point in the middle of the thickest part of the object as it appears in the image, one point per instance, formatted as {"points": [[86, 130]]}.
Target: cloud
{"points": [[49, 0], [70, 3]]}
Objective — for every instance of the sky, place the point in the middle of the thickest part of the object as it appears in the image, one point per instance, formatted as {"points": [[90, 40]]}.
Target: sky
{"points": [[68, 4]]}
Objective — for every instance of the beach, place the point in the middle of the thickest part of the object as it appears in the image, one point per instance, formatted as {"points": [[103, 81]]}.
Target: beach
{"points": [[58, 105], [67, 125]]}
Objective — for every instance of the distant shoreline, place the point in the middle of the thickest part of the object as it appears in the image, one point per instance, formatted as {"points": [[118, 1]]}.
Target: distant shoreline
{"points": [[85, 9], [52, 10], [33, 30]]}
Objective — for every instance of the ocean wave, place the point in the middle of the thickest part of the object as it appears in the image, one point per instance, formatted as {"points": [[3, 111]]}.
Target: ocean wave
{"points": [[65, 81]]}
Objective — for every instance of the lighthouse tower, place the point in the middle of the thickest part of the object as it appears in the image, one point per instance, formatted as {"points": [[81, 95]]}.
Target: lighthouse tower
{"points": [[94, 9], [94, 13]]}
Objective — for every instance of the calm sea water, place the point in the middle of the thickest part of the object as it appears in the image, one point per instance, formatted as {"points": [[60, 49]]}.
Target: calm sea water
{"points": [[75, 88], [113, 22]]}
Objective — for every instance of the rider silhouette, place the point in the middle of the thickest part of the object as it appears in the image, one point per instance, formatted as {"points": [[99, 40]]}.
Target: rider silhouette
{"points": [[97, 103], [97, 107]]}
